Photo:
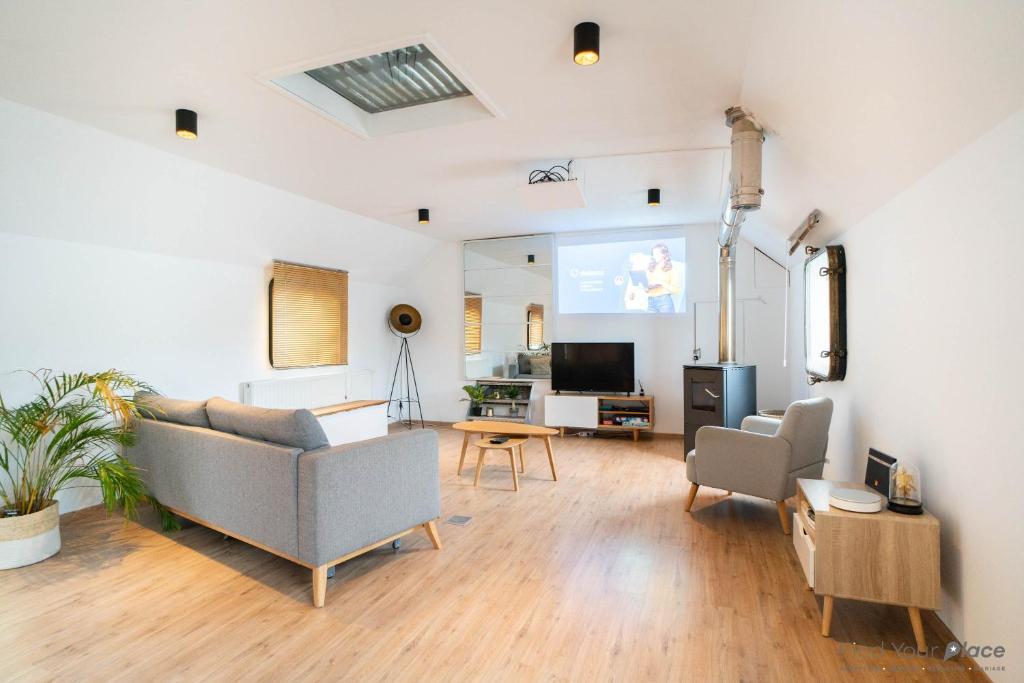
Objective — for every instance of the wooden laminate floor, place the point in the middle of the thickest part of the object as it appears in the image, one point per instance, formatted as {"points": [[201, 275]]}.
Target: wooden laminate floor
{"points": [[598, 577]]}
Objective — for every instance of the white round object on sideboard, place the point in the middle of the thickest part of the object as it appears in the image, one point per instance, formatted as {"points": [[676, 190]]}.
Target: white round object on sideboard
{"points": [[855, 500]]}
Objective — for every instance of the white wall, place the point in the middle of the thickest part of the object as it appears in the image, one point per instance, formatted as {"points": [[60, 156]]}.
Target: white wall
{"points": [[663, 343], [435, 287], [935, 325], [113, 254], [191, 328]]}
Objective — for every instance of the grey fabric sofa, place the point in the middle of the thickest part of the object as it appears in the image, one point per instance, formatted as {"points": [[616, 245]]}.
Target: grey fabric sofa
{"points": [[765, 457], [269, 478]]}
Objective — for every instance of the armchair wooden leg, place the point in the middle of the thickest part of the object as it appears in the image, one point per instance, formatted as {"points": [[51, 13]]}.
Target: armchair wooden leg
{"points": [[431, 529], [783, 516], [319, 585], [693, 494]]}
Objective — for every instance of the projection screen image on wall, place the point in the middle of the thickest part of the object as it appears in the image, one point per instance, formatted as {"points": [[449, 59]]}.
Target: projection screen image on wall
{"points": [[623, 276]]}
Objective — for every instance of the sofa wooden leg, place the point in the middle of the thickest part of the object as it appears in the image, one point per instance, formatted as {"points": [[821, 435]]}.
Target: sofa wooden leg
{"points": [[783, 516], [319, 585], [693, 494], [432, 534]]}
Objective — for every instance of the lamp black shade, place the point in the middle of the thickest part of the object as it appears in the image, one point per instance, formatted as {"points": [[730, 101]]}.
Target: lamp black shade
{"points": [[586, 43], [186, 124], [424, 215], [654, 197]]}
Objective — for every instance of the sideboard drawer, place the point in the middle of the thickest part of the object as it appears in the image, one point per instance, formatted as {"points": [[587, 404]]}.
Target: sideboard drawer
{"points": [[804, 548]]}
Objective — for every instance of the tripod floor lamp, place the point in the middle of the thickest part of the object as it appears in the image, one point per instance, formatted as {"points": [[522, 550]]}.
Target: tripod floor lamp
{"points": [[404, 321]]}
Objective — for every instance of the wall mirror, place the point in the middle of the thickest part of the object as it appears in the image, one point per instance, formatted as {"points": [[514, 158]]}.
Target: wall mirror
{"points": [[825, 314], [507, 307]]}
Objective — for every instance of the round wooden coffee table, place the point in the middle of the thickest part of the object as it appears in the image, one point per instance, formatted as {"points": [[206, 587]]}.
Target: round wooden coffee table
{"points": [[508, 446], [515, 430]]}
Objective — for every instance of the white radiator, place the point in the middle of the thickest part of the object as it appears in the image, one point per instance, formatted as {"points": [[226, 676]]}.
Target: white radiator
{"points": [[309, 392]]}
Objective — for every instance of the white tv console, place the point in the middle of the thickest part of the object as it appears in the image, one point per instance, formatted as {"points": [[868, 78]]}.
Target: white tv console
{"points": [[599, 412]]}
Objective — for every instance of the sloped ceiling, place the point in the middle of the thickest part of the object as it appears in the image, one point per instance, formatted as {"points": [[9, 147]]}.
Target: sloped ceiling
{"points": [[860, 99], [865, 98]]}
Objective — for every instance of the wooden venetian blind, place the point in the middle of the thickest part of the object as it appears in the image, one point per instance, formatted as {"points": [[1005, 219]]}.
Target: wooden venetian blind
{"points": [[308, 316], [534, 327], [474, 321]]}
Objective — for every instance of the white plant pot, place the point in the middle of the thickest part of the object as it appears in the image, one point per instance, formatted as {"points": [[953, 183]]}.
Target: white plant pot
{"points": [[30, 538]]}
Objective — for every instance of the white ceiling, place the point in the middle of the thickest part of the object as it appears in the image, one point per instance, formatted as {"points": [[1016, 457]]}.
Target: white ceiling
{"points": [[861, 99]]}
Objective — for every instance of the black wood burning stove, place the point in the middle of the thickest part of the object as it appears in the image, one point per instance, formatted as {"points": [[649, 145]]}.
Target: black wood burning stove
{"points": [[719, 395]]}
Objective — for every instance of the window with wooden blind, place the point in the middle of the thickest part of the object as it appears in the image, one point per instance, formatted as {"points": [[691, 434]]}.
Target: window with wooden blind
{"points": [[535, 327], [308, 316], [474, 323]]}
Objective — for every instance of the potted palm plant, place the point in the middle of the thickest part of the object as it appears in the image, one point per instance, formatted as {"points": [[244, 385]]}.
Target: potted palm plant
{"points": [[476, 396], [75, 429]]}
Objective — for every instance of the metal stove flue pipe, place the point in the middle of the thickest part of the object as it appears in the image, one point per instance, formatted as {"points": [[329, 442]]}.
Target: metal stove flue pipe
{"points": [[745, 194]]}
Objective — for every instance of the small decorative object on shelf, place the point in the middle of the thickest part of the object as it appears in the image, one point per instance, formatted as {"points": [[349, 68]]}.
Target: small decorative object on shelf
{"points": [[876, 474], [905, 489], [855, 500], [512, 393]]}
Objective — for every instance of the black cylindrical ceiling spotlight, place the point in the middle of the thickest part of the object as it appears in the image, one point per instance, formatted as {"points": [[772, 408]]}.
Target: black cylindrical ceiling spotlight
{"points": [[424, 215], [586, 43], [186, 124], [654, 197]]}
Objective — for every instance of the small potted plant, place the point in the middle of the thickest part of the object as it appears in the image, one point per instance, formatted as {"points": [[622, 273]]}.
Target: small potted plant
{"points": [[75, 428], [512, 393], [476, 396]]}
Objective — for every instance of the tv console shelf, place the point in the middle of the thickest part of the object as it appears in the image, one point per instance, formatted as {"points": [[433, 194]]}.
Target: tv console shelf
{"points": [[600, 412]]}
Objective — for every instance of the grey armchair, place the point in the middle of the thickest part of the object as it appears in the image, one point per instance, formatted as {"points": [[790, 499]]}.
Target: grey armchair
{"points": [[765, 457]]}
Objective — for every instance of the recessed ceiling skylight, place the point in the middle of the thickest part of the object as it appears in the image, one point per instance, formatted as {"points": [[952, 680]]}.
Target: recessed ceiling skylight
{"points": [[410, 85], [392, 80]]}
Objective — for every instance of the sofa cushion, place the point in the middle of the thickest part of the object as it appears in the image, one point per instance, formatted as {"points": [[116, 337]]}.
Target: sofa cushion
{"points": [[523, 359], [296, 428], [540, 365], [157, 407]]}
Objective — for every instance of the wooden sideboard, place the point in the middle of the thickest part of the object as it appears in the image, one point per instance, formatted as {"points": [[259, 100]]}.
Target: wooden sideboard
{"points": [[600, 412], [882, 557]]}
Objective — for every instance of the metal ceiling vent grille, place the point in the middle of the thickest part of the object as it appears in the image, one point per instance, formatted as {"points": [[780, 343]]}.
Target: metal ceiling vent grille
{"points": [[390, 80]]}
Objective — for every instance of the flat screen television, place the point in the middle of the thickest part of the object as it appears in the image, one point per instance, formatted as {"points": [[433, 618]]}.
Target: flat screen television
{"points": [[598, 366]]}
